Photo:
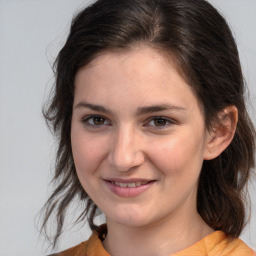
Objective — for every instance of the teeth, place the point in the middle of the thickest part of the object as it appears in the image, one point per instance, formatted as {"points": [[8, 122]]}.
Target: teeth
{"points": [[123, 185], [131, 184]]}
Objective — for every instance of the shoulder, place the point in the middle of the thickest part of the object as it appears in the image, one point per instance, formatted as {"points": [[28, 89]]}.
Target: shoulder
{"points": [[218, 243], [237, 247], [93, 246], [78, 250]]}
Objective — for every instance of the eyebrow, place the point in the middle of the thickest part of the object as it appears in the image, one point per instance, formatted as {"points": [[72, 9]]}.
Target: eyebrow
{"points": [[158, 108], [140, 110], [94, 107]]}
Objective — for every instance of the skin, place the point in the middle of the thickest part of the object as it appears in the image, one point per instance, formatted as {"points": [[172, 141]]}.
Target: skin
{"points": [[125, 139]]}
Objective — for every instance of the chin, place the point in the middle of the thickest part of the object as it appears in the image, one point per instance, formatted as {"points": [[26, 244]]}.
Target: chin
{"points": [[131, 218], [135, 222]]}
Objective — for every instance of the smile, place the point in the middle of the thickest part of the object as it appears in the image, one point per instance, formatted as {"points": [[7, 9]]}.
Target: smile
{"points": [[129, 188], [130, 185]]}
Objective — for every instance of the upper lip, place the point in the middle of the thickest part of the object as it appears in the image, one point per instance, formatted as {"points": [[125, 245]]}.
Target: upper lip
{"points": [[132, 180]]}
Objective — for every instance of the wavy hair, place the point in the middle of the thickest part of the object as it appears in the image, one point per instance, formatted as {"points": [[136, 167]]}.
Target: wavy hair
{"points": [[199, 40]]}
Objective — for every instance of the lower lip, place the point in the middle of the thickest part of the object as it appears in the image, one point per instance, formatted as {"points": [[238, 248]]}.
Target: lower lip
{"points": [[127, 191]]}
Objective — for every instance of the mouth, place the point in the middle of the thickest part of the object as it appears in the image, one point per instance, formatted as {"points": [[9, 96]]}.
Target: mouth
{"points": [[129, 188], [130, 184]]}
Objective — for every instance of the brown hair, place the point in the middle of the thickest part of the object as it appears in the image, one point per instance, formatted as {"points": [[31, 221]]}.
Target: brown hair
{"points": [[206, 54]]}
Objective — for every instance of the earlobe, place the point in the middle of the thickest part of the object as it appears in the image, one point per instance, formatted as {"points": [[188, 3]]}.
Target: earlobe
{"points": [[219, 138]]}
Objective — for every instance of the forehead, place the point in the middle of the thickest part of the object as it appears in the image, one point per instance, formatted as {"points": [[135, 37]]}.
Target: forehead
{"points": [[137, 53], [138, 62], [143, 74]]}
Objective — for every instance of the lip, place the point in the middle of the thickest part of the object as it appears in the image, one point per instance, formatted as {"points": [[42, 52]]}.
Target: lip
{"points": [[128, 191], [127, 180]]}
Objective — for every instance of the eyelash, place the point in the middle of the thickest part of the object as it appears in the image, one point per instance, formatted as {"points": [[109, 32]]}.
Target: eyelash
{"points": [[167, 122], [86, 121]]}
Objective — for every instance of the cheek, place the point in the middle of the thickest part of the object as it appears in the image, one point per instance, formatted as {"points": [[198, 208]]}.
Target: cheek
{"points": [[86, 153], [178, 155], [87, 159]]}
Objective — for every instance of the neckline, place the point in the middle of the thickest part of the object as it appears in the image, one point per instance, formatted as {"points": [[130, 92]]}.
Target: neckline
{"points": [[201, 247]]}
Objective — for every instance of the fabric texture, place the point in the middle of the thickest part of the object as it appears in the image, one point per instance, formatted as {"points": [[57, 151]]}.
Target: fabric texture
{"points": [[215, 244]]}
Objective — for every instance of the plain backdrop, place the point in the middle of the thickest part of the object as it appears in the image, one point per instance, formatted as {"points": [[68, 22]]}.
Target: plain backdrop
{"points": [[31, 33]]}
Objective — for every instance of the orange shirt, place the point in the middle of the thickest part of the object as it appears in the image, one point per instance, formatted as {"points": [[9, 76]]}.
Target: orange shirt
{"points": [[215, 244]]}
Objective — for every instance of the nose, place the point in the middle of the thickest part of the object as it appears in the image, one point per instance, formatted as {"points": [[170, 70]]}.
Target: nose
{"points": [[126, 150]]}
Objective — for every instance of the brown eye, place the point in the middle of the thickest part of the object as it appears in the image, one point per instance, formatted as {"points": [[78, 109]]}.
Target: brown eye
{"points": [[95, 121], [98, 120], [160, 122]]}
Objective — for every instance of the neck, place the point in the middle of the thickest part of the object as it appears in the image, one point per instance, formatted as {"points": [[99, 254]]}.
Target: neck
{"points": [[158, 239]]}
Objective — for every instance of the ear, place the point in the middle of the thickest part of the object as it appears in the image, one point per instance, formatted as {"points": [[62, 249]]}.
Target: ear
{"points": [[218, 139]]}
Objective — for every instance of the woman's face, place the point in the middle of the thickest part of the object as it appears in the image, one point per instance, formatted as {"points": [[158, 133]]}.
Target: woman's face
{"points": [[138, 137]]}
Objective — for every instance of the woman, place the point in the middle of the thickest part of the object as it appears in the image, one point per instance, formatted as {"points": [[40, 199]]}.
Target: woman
{"points": [[153, 130]]}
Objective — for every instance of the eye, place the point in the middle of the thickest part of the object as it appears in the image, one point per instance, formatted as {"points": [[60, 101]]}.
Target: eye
{"points": [[95, 121], [160, 122]]}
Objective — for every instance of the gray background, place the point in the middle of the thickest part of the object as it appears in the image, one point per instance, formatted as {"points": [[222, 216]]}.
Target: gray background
{"points": [[31, 33]]}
